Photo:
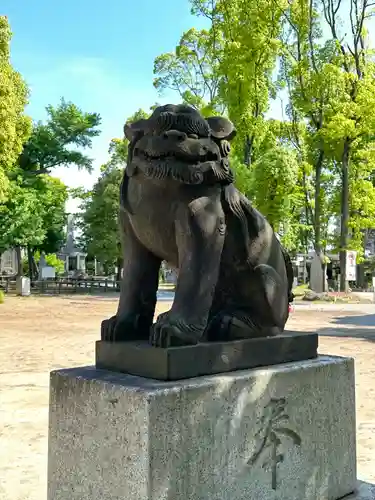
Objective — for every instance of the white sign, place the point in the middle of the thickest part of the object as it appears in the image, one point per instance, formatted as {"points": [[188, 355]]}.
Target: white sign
{"points": [[351, 266], [47, 272]]}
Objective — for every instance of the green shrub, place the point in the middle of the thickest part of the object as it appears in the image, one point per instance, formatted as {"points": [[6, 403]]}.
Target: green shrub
{"points": [[300, 290], [51, 260]]}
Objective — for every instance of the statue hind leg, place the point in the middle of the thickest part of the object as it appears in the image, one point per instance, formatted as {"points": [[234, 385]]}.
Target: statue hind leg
{"points": [[265, 316], [239, 324]]}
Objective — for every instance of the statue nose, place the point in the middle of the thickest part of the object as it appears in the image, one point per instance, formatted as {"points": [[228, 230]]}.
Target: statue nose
{"points": [[175, 135]]}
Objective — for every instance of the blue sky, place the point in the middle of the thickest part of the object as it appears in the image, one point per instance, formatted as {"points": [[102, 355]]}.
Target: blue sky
{"points": [[97, 54]]}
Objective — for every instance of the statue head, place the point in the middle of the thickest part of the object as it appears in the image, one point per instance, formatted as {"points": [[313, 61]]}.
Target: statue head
{"points": [[179, 143]]}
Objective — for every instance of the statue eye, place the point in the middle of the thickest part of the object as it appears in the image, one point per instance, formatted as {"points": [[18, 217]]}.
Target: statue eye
{"points": [[193, 136]]}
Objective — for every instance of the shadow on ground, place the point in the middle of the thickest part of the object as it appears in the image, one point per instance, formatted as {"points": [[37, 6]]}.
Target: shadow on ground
{"points": [[362, 320], [362, 326]]}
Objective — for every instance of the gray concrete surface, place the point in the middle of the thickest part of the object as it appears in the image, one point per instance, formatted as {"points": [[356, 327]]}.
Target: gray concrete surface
{"points": [[278, 433]]}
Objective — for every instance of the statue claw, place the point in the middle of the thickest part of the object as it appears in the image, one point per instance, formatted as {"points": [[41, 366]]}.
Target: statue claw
{"points": [[167, 332], [123, 328], [108, 328]]}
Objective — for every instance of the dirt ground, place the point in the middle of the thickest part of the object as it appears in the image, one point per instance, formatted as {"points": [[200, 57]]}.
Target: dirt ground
{"points": [[40, 334]]}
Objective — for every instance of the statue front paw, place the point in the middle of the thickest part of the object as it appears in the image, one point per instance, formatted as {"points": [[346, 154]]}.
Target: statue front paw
{"points": [[123, 328], [173, 331], [108, 328]]}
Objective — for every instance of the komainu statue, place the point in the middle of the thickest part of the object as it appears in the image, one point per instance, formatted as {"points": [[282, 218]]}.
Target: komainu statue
{"points": [[179, 204]]}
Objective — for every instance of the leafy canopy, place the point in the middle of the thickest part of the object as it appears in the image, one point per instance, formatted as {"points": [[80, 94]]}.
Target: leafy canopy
{"points": [[15, 127], [32, 213], [54, 143]]}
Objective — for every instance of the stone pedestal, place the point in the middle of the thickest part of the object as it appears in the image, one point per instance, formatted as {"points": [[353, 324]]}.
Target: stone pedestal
{"points": [[285, 432], [317, 278], [23, 286]]}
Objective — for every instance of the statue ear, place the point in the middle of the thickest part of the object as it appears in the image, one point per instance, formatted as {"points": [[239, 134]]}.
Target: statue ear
{"points": [[131, 130], [221, 128]]}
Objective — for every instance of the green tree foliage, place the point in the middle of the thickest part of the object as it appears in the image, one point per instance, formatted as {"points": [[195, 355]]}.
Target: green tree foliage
{"points": [[316, 164], [118, 150], [54, 143], [15, 127], [274, 177], [250, 31], [33, 213], [140, 114], [331, 88], [309, 89], [192, 70], [352, 122], [273, 184], [98, 219], [21, 218], [51, 260], [229, 68], [53, 194]]}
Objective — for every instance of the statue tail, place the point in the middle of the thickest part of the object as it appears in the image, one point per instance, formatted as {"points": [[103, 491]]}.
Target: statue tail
{"points": [[235, 202], [289, 272]]}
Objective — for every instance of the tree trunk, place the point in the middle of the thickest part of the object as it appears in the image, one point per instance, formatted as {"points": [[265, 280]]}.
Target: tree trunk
{"points": [[361, 276], [30, 261], [344, 214], [248, 152], [317, 215], [35, 268], [361, 267], [19, 262]]}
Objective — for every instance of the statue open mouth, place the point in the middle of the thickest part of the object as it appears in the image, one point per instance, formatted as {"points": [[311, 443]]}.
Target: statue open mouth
{"points": [[179, 168], [177, 156], [172, 156]]}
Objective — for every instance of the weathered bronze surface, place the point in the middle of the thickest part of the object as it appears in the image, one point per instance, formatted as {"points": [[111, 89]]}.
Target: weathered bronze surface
{"points": [[179, 204]]}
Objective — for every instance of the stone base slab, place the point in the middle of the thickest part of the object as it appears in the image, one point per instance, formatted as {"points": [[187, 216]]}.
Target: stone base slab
{"points": [[285, 432], [206, 358]]}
